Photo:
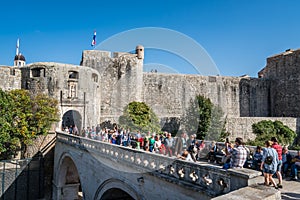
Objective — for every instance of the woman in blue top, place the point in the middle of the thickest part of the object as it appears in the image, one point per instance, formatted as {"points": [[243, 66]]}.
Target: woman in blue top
{"points": [[269, 169]]}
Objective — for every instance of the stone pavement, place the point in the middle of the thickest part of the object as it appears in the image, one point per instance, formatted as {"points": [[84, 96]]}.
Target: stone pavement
{"points": [[290, 190]]}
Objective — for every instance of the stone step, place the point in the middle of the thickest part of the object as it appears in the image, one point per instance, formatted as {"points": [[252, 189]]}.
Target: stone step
{"points": [[253, 192]]}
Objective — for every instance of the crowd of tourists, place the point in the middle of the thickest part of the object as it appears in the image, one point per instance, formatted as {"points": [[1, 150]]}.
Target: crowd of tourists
{"points": [[272, 159]]}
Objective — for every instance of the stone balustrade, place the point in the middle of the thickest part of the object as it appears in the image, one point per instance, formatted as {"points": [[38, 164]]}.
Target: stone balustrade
{"points": [[203, 176]]}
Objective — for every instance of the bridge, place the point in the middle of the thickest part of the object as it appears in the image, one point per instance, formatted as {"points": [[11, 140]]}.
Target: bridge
{"points": [[103, 171]]}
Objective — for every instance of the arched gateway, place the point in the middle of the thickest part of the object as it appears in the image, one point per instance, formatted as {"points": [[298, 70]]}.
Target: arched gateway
{"points": [[71, 118]]}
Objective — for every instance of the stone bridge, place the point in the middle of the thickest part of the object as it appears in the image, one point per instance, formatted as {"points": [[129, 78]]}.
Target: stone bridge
{"points": [[104, 171]]}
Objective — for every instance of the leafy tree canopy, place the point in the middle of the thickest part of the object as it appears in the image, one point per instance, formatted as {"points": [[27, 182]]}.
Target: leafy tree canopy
{"points": [[266, 129], [139, 116], [22, 118]]}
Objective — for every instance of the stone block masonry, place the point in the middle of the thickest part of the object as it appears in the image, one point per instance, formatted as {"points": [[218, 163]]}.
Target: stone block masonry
{"points": [[106, 82], [10, 78]]}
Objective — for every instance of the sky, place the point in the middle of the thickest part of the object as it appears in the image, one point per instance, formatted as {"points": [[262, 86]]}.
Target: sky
{"points": [[237, 35]]}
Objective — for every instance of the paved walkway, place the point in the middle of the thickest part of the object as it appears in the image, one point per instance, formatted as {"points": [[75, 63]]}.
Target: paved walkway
{"points": [[290, 190]]}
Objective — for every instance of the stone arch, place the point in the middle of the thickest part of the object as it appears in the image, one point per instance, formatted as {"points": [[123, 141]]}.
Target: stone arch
{"points": [[72, 117], [67, 178], [120, 189]]}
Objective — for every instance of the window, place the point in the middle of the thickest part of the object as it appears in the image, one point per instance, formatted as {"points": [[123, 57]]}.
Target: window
{"points": [[38, 72], [12, 72], [95, 77], [73, 75]]}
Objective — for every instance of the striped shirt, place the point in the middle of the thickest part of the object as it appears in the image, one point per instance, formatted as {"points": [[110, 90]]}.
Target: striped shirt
{"points": [[238, 156]]}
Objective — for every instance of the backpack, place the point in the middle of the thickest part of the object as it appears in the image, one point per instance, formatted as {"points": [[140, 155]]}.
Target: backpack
{"points": [[269, 159]]}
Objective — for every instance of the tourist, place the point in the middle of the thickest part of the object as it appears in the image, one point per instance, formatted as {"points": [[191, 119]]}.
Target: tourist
{"points": [[257, 158], [213, 150], [180, 144], [200, 147], [226, 158], [75, 130], [185, 156], [278, 148], [238, 154], [169, 141], [66, 129], [151, 143], [295, 166], [286, 161], [269, 163], [146, 144], [157, 144]]}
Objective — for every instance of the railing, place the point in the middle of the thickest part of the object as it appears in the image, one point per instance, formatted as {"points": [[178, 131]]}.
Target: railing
{"points": [[203, 176], [10, 170]]}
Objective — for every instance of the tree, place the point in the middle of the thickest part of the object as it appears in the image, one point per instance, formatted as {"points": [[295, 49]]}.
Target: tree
{"points": [[9, 143], [197, 119], [22, 118], [139, 116], [217, 129], [266, 129]]}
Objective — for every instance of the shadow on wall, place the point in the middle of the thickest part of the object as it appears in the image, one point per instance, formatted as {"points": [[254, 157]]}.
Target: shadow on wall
{"points": [[297, 140], [170, 124], [255, 97], [29, 178]]}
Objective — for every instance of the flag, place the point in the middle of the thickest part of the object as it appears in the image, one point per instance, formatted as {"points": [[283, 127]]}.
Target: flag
{"points": [[94, 39]]}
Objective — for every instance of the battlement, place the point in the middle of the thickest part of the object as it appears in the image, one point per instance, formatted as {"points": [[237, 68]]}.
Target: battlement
{"points": [[281, 55], [92, 58]]}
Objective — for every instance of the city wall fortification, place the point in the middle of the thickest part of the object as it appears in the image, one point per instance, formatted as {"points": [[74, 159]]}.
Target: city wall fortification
{"points": [[10, 78], [105, 82]]}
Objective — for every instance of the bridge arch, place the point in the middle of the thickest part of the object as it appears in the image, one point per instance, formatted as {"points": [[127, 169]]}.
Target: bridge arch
{"points": [[67, 178], [118, 188]]}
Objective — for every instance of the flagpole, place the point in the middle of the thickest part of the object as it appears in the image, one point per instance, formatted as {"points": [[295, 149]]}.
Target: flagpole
{"points": [[17, 47]]}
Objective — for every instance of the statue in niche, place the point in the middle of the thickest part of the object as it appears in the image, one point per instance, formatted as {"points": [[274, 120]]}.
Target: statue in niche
{"points": [[72, 91]]}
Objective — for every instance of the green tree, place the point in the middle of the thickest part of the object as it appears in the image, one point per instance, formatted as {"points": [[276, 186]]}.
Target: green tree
{"points": [[22, 118], [197, 119], [139, 116], [217, 129], [9, 143], [266, 129]]}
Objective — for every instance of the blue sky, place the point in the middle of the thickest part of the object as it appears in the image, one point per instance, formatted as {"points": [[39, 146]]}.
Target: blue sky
{"points": [[238, 35]]}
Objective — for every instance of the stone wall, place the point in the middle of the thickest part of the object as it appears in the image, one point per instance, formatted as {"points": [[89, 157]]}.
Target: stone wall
{"points": [[75, 87], [10, 78], [254, 97], [121, 80], [242, 126], [170, 95], [282, 71]]}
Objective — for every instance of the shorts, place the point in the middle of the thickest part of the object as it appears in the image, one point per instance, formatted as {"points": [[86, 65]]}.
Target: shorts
{"points": [[279, 166], [269, 171]]}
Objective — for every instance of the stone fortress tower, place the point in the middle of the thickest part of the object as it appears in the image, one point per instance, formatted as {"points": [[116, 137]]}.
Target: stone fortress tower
{"points": [[105, 82]]}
